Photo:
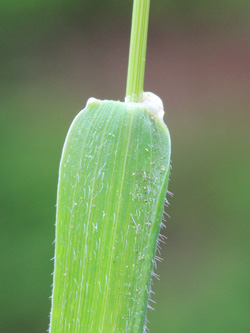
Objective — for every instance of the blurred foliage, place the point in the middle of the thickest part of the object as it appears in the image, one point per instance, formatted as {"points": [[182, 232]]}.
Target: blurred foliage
{"points": [[57, 53], [48, 14], [87, 9]]}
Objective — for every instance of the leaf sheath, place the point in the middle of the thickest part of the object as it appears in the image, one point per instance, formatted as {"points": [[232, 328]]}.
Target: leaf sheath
{"points": [[112, 184]]}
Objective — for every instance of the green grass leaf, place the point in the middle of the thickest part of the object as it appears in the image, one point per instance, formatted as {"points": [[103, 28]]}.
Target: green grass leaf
{"points": [[112, 184]]}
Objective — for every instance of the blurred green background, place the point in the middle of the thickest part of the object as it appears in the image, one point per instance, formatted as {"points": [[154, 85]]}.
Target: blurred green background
{"points": [[54, 56]]}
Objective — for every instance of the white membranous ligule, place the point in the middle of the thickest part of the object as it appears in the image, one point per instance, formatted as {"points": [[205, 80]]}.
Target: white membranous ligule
{"points": [[150, 101]]}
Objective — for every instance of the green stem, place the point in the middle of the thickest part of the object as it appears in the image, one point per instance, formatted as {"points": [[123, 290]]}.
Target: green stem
{"points": [[137, 50]]}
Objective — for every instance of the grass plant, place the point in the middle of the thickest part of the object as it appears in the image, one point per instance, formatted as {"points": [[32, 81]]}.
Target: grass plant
{"points": [[113, 180]]}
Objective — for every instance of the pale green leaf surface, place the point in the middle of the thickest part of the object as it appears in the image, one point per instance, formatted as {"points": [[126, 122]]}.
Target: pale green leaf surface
{"points": [[112, 184]]}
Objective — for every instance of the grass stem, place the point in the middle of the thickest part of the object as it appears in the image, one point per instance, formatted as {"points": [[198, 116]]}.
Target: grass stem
{"points": [[137, 50]]}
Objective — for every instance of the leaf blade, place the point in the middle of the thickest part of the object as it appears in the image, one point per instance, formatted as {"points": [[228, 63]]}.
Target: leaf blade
{"points": [[112, 185]]}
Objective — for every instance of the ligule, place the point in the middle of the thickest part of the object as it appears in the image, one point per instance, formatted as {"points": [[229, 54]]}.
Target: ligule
{"points": [[112, 184]]}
